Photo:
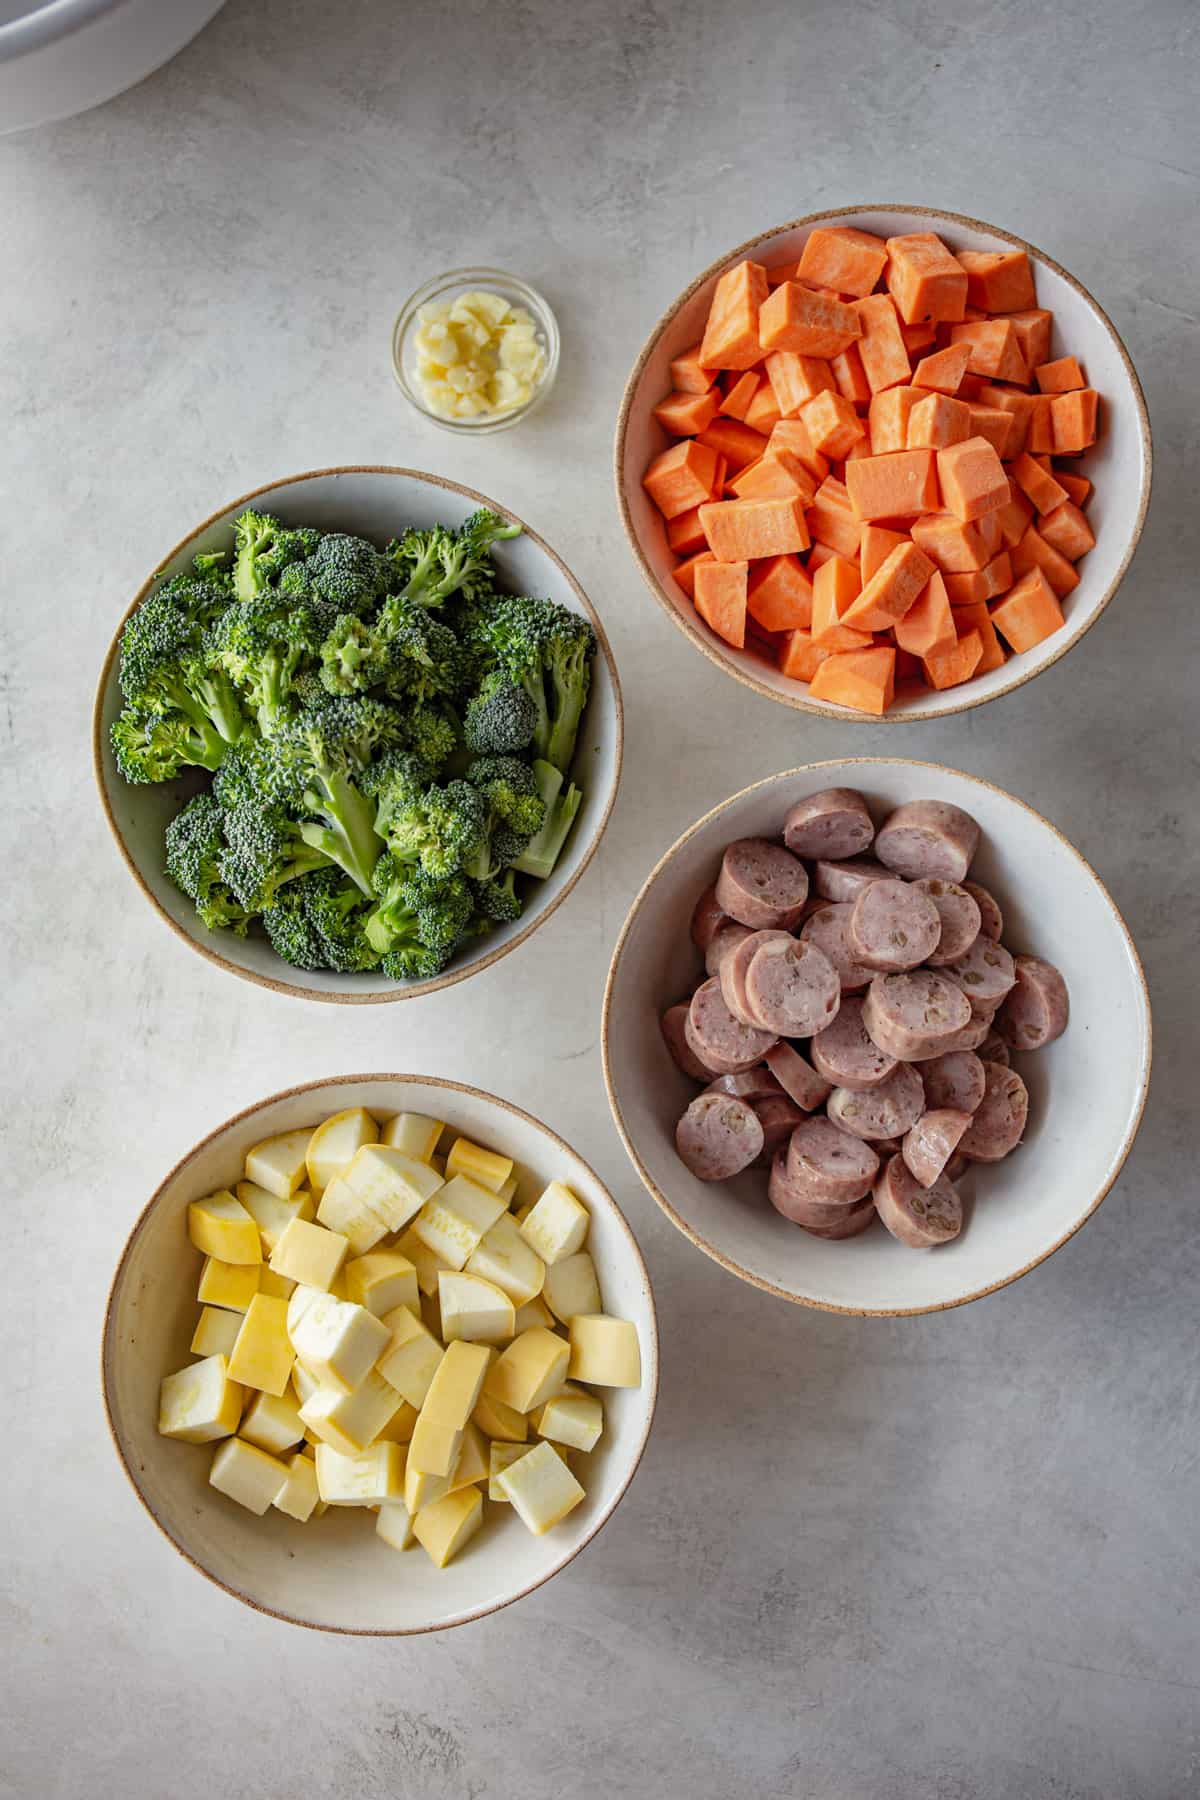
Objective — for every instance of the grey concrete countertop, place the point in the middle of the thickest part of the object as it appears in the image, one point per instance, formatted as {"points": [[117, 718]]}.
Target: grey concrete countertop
{"points": [[944, 1558]]}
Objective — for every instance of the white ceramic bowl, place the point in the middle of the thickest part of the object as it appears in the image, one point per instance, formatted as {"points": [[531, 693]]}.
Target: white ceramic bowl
{"points": [[375, 503], [1119, 464], [334, 1573], [1087, 1090]]}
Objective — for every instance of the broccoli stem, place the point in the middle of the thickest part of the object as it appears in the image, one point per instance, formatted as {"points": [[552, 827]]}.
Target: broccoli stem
{"points": [[542, 852], [572, 679], [348, 837]]}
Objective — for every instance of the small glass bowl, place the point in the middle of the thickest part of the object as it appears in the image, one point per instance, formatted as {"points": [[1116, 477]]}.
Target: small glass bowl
{"points": [[448, 287]]}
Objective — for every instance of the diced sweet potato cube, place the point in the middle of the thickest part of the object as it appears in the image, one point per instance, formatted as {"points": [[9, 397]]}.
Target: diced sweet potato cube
{"points": [[876, 546], [1038, 483], [842, 258], [992, 423], [779, 475], [741, 530], [684, 414], [1078, 487], [977, 618], [739, 392], [918, 337], [833, 424], [777, 272], [924, 279], [1067, 531], [832, 520], [998, 281], [862, 679], [971, 478], [685, 574], [1019, 408], [685, 534], [993, 349], [792, 434], [849, 375], [1039, 436], [1033, 334], [721, 599], [1033, 552], [1013, 517], [681, 477], [1028, 613], [835, 588], [688, 374], [860, 447], [818, 556], [763, 412], [981, 585], [730, 338], [780, 595], [953, 545], [799, 657], [944, 370], [885, 360], [892, 590], [936, 421], [897, 486], [794, 318], [797, 379], [739, 444], [929, 623], [888, 418], [1073, 419], [990, 533], [1059, 377], [952, 664]]}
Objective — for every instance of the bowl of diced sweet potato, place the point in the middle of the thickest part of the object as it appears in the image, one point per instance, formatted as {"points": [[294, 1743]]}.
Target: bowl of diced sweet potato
{"points": [[884, 461]]}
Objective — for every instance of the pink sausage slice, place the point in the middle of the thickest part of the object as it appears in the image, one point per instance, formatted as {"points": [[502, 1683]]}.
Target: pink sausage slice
{"points": [[920, 1216], [932, 1141], [991, 919], [954, 1081], [985, 975], [893, 926], [798, 1079], [969, 1038], [845, 1055], [928, 839], [792, 988], [717, 1038], [732, 972], [994, 1049], [718, 1136], [724, 940], [753, 1084], [761, 884], [674, 1029], [829, 930], [778, 1117], [830, 1165], [794, 1199], [957, 1167], [1037, 1010], [999, 1119], [960, 919], [707, 919], [916, 1015], [886, 1111], [846, 880], [831, 825], [854, 1220]]}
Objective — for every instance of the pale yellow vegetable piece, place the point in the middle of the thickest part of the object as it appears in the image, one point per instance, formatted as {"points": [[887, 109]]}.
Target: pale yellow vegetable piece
{"points": [[309, 1254], [604, 1351], [278, 1163], [414, 1133], [304, 1383], [216, 1332], [299, 1301], [456, 1386], [487, 1168], [496, 1420], [508, 1192], [371, 1478], [220, 1226], [530, 1371], [422, 1490], [352, 1422], [480, 306], [557, 1224], [431, 1315], [276, 1287], [381, 1281], [200, 1403], [472, 1464], [572, 1418], [425, 1261], [411, 1358], [394, 1525], [273, 1422], [271, 1214], [571, 1287], [248, 1475], [299, 1496], [504, 1258], [334, 1144], [453, 1222], [344, 1211], [339, 1341], [401, 1425], [474, 1309], [443, 1527], [391, 1183], [263, 1355], [534, 1312], [232, 1285], [433, 1448], [540, 1487], [501, 1457]]}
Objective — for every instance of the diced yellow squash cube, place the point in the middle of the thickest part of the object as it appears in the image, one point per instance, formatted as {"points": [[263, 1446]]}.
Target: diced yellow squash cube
{"points": [[334, 1144], [310, 1254], [220, 1226], [431, 1315], [394, 1525], [231, 1285], [472, 1463], [422, 1490], [445, 1526], [530, 1371], [498, 1421], [501, 1457], [410, 1360], [400, 1426], [504, 1258], [200, 1403], [371, 1478], [534, 1312], [474, 1309], [556, 1224], [299, 1497], [424, 1260], [352, 1422], [393, 1184], [278, 1163], [571, 1287], [247, 1474], [276, 1287], [541, 1488], [271, 1214], [414, 1133], [573, 1418], [215, 1333], [487, 1168], [457, 1384], [433, 1448], [344, 1211], [454, 1221], [338, 1341], [273, 1422], [263, 1355], [381, 1281], [304, 1383], [604, 1351]]}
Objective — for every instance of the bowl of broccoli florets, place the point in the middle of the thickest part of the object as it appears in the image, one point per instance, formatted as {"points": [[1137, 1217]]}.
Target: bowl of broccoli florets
{"points": [[359, 735]]}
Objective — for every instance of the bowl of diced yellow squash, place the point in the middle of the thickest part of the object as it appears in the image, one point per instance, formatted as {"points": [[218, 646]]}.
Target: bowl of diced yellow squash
{"points": [[380, 1355]]}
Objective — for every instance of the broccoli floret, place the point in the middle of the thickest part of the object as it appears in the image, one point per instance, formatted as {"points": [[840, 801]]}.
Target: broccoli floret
{"points": [[348, 572], [511, 792], [214, 566], [263, 851], [418, 913], [352, 658], [438, 563], [182, 710], [292, 933], [337, 912], [441, 829], [195, 845], [263, 645], [500, 719], [395, 781], [311, 766], [498, 900], [542, 852], [547, 650], [420, 658], [150, 746]]}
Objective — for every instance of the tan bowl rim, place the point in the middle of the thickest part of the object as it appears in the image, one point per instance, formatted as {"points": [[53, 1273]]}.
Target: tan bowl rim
{"points": [[296, 989], [801, 772], [800, 701], [106, 1350]]}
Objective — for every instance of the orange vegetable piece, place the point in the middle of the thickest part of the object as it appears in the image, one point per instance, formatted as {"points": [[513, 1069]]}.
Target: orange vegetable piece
{"points": [[1060, 376], [797, 379], [1078, 487], [685, 534], [739, 392], [924, 280], [862, 679], [1033, 334], [1067, 531], [777, 272], [1073, 420], [896, 486], [918, 337], [685, 574], [977, 618], [681, 477], [860, 447], [953, 545], [990, 534], [779, 475], [780, 595], [763, 413], [892, 590], [740, 530], [833, 424], [799, 656], [881, 347], [849, 375], [980, 585], [1033, 552], [993, 350], [1038, 483], [938, 420], [818, 555], [835, 588], [992, 423], [792, 434], [737, 443], [721, 599], [832, 520], [1029, 612], [944, 370], [888, 418], [1019, 408], [1039, 438], [999, 281], [842, 258], [876, 546], [688, 373], [952, 664], [971, 478], [730, 338], [684, 414], [794, 318], [928, 624]]}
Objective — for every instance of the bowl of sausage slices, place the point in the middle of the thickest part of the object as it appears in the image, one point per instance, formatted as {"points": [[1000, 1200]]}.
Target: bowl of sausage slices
{"points": [[868, 1008]]}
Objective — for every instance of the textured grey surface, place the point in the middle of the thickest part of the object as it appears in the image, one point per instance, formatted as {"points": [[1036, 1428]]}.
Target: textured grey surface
{"points": [[951, 1558]]}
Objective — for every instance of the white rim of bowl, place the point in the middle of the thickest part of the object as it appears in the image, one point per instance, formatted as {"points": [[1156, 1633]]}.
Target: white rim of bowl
{"points": [[800, 773], [800, 701], [479, 277], [107, 1352], [450, 976]]}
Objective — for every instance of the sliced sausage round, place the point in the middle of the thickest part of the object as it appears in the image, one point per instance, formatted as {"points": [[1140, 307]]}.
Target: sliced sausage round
{"points": [[829, 1164], [794, 1199], [954, 1080], [718, 1136], [753, 1084], [723, 942], [778, 1117], [846, 1056], [999, 1120], [792, 988], [920, 1216], [985, 975], [717, 1038], [846, 880], [991, 919], [798, 1079], [994, 1048], [1037, 1009], [854, 1220], [830, 825], [829, 930], [916, 1015], [893, 926], [886, 1111], [928, 839], [707, 919], [969, 1038], [674, 1029], [932, 1141], [960, 918], [732, 973], [761, 884], [957, 1167]]}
